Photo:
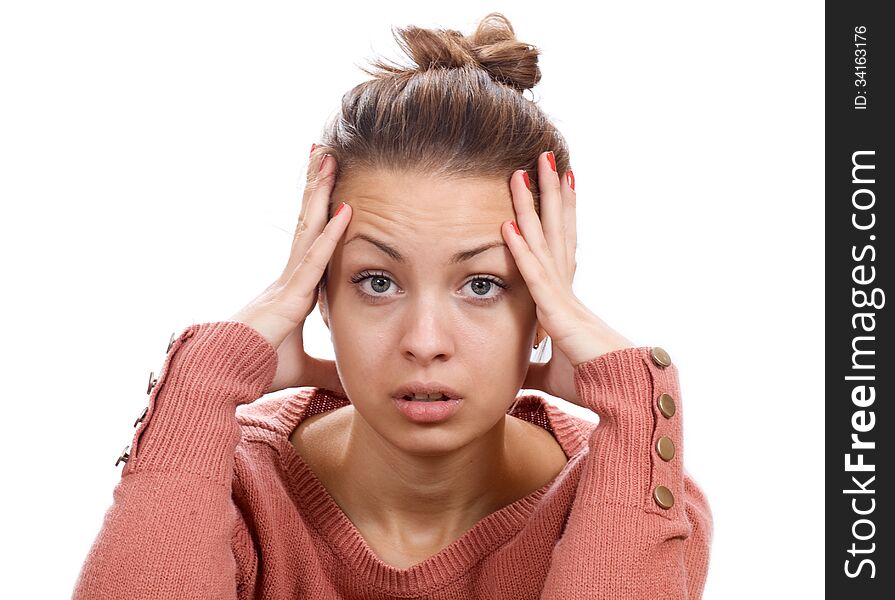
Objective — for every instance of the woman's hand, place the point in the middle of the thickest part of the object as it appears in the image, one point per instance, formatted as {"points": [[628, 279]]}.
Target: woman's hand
{"points": [[544, 252], [279, 312]]}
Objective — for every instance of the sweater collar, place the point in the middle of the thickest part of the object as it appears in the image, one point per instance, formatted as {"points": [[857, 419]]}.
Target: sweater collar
{"points": [[343, 538]]}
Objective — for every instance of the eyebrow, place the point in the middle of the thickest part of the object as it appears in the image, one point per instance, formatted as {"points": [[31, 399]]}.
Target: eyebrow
{"points": [[458, 257]]}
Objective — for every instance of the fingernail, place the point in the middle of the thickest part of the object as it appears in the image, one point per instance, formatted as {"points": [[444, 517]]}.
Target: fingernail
{"points": [[312, 149], [552, 160], [323, 163], [338, 210], [525, 177], [516, 227], [570, 177]]}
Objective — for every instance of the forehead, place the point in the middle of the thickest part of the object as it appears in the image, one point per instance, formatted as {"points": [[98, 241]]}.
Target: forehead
{"points": [[420, 202]]}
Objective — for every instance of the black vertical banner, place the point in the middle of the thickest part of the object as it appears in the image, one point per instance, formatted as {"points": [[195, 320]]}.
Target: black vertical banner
{"points": [[859, 369]]}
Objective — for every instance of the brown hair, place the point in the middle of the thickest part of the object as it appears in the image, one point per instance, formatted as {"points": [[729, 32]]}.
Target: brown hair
{"points": [[458, 112]]}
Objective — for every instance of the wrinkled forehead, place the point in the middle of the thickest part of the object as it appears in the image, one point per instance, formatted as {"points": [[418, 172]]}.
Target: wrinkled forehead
{"points": [[418, 202], [411, 215]]}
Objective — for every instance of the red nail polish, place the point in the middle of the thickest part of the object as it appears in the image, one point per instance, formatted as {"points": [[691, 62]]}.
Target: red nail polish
{"points": [[552, 160], [338, 210], [527, 181], [570, 177], [312, 149], [516, 227]]}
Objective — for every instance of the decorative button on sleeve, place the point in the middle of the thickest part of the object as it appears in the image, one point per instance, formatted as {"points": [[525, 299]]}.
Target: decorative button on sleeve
{"points": [[152, 381], [664, 445], [665, 448], [660, 357], [636, 513], [124, 455], [666, 405], [169, 531], [663, 497], [209, 369], [632, 390], [142, 416]]}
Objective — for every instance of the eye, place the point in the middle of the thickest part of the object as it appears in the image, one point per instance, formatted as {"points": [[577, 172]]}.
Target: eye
{"points": [[482, 284], [380, 283]]}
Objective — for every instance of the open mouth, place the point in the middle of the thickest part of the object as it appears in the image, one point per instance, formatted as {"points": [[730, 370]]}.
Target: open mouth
{"points": [[430, 391], [426, 397]]}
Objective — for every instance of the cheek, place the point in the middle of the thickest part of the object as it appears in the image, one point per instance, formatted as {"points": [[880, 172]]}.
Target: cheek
{"points": [[355, 340]]}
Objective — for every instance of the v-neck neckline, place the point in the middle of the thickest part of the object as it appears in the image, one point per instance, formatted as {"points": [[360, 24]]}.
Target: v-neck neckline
{"points": [[346, 541]]}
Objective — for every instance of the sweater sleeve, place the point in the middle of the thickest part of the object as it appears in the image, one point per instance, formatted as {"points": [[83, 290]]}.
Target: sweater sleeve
{"points": [[639, 527], [172, 525]]}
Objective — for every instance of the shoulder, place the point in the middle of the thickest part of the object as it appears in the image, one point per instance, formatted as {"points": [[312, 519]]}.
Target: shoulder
{"points": [[318, 438], [541, 457]]}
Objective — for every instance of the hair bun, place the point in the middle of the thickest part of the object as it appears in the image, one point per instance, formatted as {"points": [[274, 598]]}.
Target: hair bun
{"points": [[493, 47]]}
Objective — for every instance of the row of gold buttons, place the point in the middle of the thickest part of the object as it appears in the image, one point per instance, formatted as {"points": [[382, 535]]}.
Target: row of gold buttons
{"points": [[664, 446], [125, 454]]}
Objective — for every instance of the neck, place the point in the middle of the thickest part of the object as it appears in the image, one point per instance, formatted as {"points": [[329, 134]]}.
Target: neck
{"points": [[399, 493]]}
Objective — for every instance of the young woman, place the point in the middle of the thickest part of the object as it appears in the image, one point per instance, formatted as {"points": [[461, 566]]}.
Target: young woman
{"points": [[437, 236]]}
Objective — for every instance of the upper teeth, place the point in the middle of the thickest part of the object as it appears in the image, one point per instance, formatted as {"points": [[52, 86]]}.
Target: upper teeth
{"points": [[430, 397]]}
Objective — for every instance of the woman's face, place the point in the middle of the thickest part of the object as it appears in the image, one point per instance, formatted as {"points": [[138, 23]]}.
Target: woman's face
{"points": [[406, 304]]}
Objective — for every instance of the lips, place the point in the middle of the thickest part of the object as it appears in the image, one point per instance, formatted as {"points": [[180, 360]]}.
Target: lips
{"points": [[431, 387]]}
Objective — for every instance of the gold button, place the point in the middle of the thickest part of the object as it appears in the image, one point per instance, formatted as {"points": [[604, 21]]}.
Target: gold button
{"points": [[152, 382], [665, 448], [142, 416], [124, 455], [171, 342], [660, 357], [666, 405], [663, 497]]}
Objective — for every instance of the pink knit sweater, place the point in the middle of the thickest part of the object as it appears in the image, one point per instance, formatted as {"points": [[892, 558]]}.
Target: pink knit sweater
{"points": [[214, 501]]}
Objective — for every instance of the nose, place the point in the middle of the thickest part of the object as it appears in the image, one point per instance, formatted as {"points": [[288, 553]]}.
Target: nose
{"points": [[428, 332]]}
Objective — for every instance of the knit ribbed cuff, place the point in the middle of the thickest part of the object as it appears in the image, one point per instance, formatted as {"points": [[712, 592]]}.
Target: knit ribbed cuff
{"points": [[191, 422], [622, 387], [617, 386]]}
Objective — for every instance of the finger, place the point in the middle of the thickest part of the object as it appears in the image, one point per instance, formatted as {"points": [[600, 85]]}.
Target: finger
{"points": [[304, 279], [314, 217], [530, 266], [528, 221], [551, 210], [570, 220], [320, 181], [315, 160]]}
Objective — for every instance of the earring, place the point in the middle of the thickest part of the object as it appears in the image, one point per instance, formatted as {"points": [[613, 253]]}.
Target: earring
{"points": [[538, 339]]}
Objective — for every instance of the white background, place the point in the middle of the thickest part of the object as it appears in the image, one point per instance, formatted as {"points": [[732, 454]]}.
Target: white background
{"points": [[152, 160]]}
